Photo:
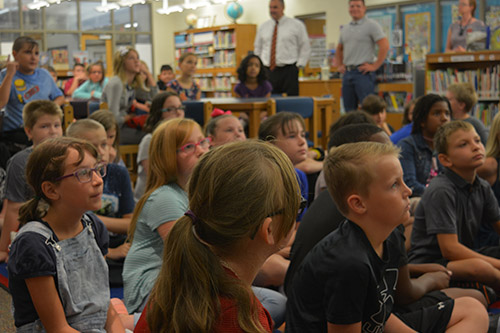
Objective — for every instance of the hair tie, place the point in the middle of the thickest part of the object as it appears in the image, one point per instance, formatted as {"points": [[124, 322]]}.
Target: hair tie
{"points": [[218, 112], [191, 215]]}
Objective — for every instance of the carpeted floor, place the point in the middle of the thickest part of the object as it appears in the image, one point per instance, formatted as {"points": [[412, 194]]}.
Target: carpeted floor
{"points": [[6, 319]]}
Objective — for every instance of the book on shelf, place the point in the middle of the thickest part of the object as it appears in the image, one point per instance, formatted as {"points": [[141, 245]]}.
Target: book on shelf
{"points": [[390, 72], [486, 81], [396, 100], [485, 112], [224, 39]]}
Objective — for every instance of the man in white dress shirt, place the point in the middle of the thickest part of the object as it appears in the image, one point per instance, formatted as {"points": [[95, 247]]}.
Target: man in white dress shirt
{"points": [[283, 45]]}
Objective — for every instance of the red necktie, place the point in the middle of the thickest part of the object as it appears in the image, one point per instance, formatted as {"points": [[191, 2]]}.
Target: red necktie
{"points": [[273, 47]]}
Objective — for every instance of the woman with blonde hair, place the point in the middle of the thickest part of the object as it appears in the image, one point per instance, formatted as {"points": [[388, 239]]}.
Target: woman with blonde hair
{"points": [[119, 93], [243, 200], [176, 146]]}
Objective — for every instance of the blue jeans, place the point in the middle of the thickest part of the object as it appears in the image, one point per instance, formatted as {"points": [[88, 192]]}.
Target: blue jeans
{"points": [[355, 87], [273, 302]]}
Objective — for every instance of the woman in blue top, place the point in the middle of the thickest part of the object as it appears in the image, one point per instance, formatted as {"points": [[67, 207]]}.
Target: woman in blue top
{"points": [[418, 159], [92, 88]]}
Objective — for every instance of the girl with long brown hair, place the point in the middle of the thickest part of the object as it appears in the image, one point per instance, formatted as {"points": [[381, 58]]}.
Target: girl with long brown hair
{"points": [[243, 200]]}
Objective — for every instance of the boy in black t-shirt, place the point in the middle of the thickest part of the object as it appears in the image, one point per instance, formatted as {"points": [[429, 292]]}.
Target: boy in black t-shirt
{"points": [[347, 282]]}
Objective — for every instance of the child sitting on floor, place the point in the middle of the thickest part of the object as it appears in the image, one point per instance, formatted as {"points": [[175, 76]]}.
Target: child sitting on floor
{"points": [[224, 128], [454, 207], [57, 274], [117, 198], [42, 120], [347, 282]]}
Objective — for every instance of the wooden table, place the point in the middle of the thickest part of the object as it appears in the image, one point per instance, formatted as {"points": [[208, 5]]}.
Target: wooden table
{"points": [[253, 106]]}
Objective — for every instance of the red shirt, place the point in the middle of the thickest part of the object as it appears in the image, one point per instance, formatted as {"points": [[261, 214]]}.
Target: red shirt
{"points": [[228, 320]]}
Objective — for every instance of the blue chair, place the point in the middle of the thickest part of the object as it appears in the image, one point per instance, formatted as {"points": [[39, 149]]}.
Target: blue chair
{"points": [[306, 107], [198, 111]]}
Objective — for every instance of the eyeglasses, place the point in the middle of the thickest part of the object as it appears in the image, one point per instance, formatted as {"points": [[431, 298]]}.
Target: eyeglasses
{"points": [[303, 205], [85, 175], [191, 147], [172, 109]]}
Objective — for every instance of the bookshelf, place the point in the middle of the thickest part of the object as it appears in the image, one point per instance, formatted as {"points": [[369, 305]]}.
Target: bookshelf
{"points": [[396, 95], [220, 50], [481, 68]]}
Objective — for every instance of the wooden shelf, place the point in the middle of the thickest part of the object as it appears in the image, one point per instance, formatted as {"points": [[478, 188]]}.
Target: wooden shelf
{"points": [[396, 86], [242, 43]]}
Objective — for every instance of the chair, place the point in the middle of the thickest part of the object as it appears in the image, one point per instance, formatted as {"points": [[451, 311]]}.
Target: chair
{"points": [[129, 157], [307, 108], [80, 108], [68, 116], [198, 111], [104, 105]]}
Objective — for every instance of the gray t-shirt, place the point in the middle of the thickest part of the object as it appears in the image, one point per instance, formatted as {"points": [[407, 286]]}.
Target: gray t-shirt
{"points": [[359, 39], [450, 205], [143, 261], [16, 187], [142, 155], [479, 127], [460, 40]]}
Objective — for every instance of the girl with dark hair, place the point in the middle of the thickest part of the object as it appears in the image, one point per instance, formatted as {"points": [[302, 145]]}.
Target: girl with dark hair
{"points": [[253, 79], [243, 199], [418, 159], [165, 105], [58, 277]]}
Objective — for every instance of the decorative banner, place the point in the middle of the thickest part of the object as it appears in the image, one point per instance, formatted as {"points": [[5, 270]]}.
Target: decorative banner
{"points": [[418, 35]]}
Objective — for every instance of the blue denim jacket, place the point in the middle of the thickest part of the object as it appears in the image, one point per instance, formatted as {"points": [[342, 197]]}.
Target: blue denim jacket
{"points": [[416, 161]]}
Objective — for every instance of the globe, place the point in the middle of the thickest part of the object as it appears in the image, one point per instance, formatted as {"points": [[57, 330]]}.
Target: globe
{"points": [[234, 10], [191, 20]]}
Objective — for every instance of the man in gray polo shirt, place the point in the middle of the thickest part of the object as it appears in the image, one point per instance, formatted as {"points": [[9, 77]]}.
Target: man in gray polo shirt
{"points": [[355, 55]]}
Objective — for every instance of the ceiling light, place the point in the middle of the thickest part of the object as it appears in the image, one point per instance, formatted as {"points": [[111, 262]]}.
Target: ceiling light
{"points": [[166, 9], [105, 7], [219, 2], [130, 3], [37, 4]]}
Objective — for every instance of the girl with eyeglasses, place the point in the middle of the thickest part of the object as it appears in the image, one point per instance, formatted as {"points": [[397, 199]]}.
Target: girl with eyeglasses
{"points": [[58, 277], [92, 88], [241, 210], [176, 146], [457, 32], [165, 106]]}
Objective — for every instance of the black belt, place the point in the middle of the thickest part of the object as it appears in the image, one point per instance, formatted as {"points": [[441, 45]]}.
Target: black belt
{"points": [[351, 67]]}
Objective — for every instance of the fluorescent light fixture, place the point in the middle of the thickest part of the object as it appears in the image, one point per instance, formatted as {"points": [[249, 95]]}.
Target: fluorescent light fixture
{"points": [[190, 5], [130, 3], [105, 7], [54, 2], [166, 9], [129, 25], [37, 4], [220, 2]]}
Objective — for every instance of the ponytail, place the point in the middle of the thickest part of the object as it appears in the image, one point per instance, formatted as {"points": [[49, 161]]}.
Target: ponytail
{"points": [[32, 210], [193, 282]]}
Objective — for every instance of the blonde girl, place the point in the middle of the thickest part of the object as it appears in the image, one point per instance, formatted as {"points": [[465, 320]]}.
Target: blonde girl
{"points": [[119, 93], [224, 129], [184, 85], [58, 277], [243, 199], [176, 146]]}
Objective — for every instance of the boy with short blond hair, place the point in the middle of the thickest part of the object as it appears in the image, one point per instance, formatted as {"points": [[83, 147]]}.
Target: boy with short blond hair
{"points": [[454, 207], [347, 282], [42, 120]]}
